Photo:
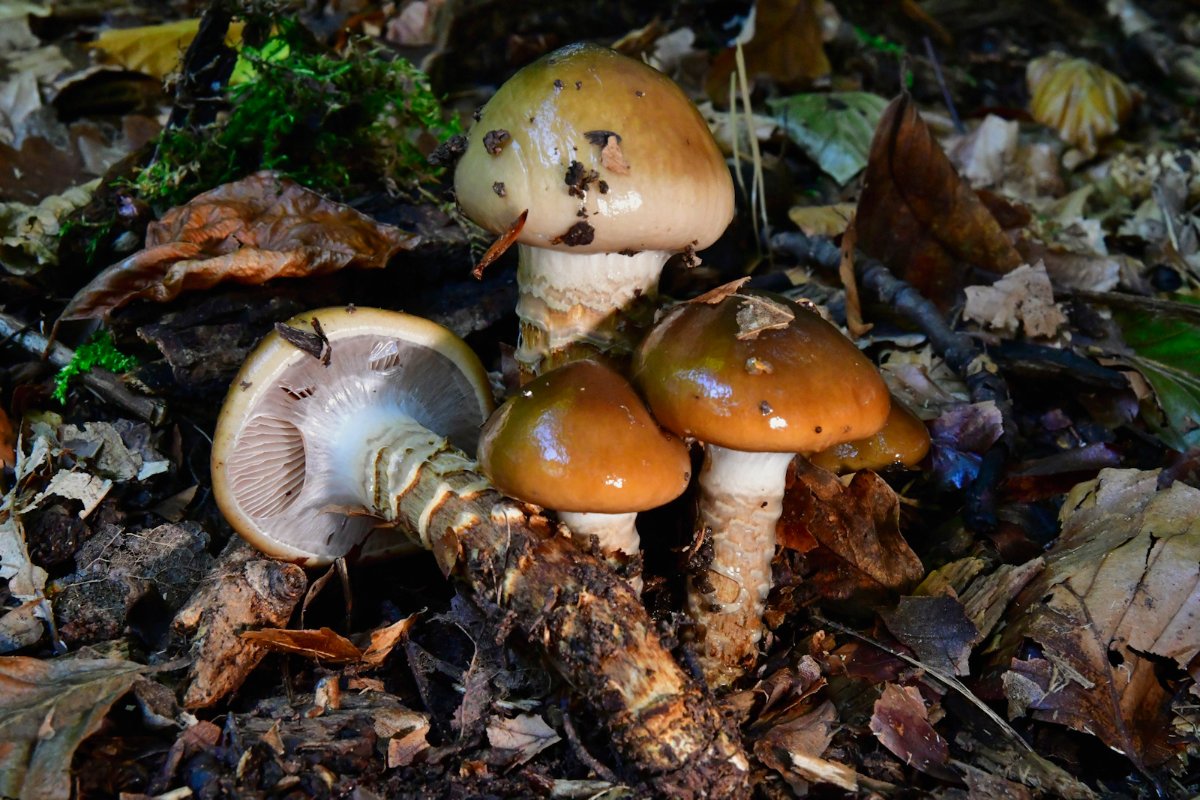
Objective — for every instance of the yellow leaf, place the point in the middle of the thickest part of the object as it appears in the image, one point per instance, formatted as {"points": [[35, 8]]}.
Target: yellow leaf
{"points": [[156, 50]]}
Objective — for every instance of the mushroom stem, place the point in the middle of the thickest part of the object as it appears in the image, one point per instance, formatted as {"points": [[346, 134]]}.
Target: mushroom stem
{"points": [[614, 532], [741, 498], [592, 625], [576, 305]]}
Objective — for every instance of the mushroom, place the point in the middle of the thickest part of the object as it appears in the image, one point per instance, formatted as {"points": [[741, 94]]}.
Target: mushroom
{"points": [[902, 441], [617, 170], [579, 440], [758, 379], [328, 419]]}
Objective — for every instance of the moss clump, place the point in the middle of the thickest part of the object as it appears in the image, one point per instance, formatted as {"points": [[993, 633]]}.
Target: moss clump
{"points": [[331, 122], [99, 351]]}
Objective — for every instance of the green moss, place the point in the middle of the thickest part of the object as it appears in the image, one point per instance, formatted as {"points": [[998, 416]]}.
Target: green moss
{"points": [[99, 351], [333, 123]]}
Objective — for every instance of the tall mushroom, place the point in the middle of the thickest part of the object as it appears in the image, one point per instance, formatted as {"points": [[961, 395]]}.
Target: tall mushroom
{"points": [[617, 170], [758, 379], [388, 379], [580, 441]]}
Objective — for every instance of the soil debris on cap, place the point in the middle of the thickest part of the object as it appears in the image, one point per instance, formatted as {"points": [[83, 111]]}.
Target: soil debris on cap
{"points": [[577, 235], [578, 177], [494, 141]]}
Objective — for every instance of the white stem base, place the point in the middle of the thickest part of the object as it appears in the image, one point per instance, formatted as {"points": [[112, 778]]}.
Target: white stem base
{"points": [[596, 302], [616, 533], [741, 498]]}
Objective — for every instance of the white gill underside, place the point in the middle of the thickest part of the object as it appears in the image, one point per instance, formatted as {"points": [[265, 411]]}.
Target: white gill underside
{"points": [[741, 498], [568, 297]]}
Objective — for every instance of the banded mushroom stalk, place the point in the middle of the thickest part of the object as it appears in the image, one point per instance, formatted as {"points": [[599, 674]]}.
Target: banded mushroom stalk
{"points": [[617, 170], [587, 621], [758, 379]]}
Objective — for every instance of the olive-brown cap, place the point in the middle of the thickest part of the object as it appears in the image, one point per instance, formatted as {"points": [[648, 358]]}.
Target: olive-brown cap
{"points": [[903, 441], [580, 439], [277, 472], [605, 152], [758, 373]]}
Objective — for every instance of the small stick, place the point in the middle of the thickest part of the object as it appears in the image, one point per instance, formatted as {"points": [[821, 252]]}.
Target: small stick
{"points": [[105, 384], [941, 79]]}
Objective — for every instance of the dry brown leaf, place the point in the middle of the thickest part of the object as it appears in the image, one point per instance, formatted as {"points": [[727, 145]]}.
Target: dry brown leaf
{"points": [[46, 709], [8, 442], [250, 231], [937, 629], [384, 639], [154, 49], [849, 534], [788, 47], [918, 217], [323, 644], [1117, 594], [525, 735], [901, 723], [828, 221], [1022, 298], [794, 749]]}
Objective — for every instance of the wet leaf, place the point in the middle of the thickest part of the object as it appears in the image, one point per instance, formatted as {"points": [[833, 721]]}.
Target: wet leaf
{"points": [[8, 442], [901, 723], [156, 50], [46, 709], [1081, 100], [250, 231], [828, 221], [1167, 353], [787, 47], [849, 535], [833, 129], [1115, 599], [917, 216]]}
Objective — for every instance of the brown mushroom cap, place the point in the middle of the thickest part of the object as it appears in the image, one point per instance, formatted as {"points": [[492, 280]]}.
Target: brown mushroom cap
{"points": [[758, 373], [903, 440], [676, 191], [580, 439], [276, 469]]}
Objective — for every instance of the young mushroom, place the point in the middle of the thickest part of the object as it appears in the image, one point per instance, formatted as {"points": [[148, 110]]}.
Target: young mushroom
{"points": [[328, 419], [757, 379], [617, 170], [902, 442], [579, 440]]}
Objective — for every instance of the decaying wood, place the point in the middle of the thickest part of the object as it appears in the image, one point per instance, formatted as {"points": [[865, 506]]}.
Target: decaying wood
{"points": [[587, 620], [244, 591]]}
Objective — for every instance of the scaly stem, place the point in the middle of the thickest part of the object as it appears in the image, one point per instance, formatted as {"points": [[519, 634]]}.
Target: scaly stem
{"points": [[592, 626], [577, 305], [741, 498]]}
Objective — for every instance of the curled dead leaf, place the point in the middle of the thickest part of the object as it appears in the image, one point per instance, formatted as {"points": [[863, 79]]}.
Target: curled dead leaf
{"points": [[250, 231], [787, 46], [901, 724], [918, 217]]}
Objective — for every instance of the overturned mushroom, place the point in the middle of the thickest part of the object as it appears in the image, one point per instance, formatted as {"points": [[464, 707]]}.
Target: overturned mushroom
{"points": [[590, 624], [617, 170], [758, 379], [579, 440]]}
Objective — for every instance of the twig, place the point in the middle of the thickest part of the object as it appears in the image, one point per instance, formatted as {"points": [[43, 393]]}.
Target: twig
{"points": [[960, 352], [590, 761], [207, 65], [941, 79], [101, 381]]}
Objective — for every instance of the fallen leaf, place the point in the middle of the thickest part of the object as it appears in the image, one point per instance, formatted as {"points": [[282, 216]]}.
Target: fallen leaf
{"points": [[917, 216], [985, 155], [937, 629], [849, 535], [8, 442], [46, 709], [1022, 298], [958, 439], [156, 50], [794, 749], [834, 129], [383, 640], [1164, 352], [1080, 99], [827, 221], [525, 734], [250, 231], [787, 46], [323, 645], [1116, 597], [901, 723], [29, 235]]}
